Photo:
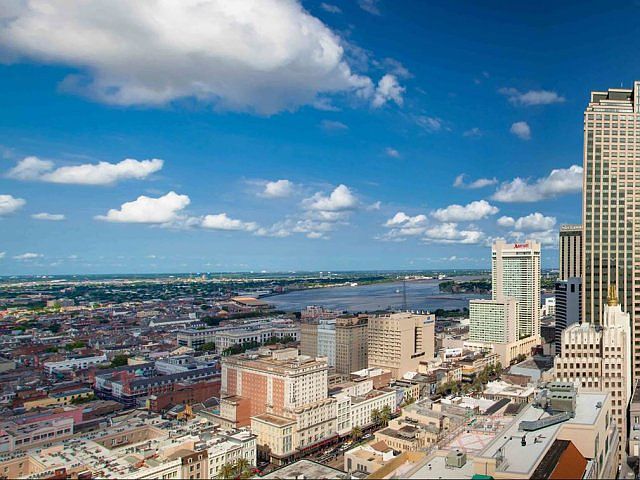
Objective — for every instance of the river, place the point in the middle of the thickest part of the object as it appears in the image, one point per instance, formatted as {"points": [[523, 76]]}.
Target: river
{"points": [[421, 295]]}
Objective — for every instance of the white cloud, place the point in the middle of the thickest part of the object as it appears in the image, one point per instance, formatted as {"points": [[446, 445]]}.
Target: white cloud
{"points": [[532, 97], [388, 89], [339, 200], [521, 130], [52, 217], [473, 132], [547, 237], [328, 7], [263, 56], [392, 152], [145, 209], [402, 225], [535, 222], [2, 255], [102, 173], [402, 219], [506, 222], [370, 6], [430, 124], [28, 256], [473, 211], [10, 204], [278, 189], [221, 221], [30, 168], [375, 206], [333, 125], [559, 182], [449, 233], [460, 182]]}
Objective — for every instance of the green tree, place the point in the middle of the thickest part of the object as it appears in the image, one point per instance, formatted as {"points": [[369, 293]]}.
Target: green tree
{"points": [[227, 470], [119, 360], [385, 415], [207, 347], [375, 416], [356, 434], [242, 467], [75, 345]]}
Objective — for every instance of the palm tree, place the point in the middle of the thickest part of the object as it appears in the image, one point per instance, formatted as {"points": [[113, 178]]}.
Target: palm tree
{"points": [[356, 433], [242, 468], [227, 471], [375, 415], [385, 415]]}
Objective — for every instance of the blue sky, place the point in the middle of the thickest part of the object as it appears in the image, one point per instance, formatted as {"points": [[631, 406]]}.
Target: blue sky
{"points": [[322, 135]]}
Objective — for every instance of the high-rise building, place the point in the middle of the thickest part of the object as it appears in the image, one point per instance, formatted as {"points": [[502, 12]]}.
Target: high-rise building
{"points": [[515, 273], [570, 251], [400, 341], [351, 344], [327, 340], [611, 205], [568, 307], [598, 357], [493, 321], [309, 338]]}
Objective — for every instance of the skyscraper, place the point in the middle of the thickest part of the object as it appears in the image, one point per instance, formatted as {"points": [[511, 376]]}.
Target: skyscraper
{"points": [[568, 307], [611, 205], [515, 273], [570, 250], [493, 321], [351, 344]]}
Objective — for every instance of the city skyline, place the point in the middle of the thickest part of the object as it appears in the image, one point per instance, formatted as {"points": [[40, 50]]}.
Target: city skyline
{"points": [[368, 136]]}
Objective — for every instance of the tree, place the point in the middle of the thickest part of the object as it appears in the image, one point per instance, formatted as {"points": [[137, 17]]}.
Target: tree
{"points": [[75, 345], [119, 360], [208, 347], [356, 433], [242, 468], [375, 416], [385, 415], [227, 470]]}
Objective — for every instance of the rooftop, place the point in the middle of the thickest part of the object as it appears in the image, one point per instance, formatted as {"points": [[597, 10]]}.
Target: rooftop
{"points": [[306, 469]]}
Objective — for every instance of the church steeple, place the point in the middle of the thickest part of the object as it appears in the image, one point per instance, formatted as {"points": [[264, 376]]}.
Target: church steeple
{"points": [[612, 298]]}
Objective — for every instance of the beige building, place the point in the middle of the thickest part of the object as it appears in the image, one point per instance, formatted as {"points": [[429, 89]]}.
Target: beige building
{"points": [[493, 321], [368, 458], [400, 341], [515, 273], [309, 338], [351, 344], [570, 251], [599, 359], [611, 199]]}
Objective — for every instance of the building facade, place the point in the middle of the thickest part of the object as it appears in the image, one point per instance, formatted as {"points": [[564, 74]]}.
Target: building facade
{"points": [[493, 321], [351, 344], [611, 205], [515, 273], [570, 251], [400, 341], [327, 341], [309, 338], [598, 358], [568, 307]]}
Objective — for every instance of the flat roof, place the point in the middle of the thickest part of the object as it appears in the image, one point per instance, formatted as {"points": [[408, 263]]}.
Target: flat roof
{"points": [[306, 469], [521, 459], [435, 467]]}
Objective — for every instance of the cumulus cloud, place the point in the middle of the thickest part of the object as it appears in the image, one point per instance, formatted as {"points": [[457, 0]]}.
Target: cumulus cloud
{"points": [[392, 152], [52, 217], [101, 173], [535, 222], [449, 233], [521, 130], [340, 199], [2, 255], [402, 225], [559, 182], [388, 89], [473, 211], [278, 189], [506, 221], [263, 56], [548, 238], [460, 182], [221, 221], [149, 210], [28, 256], [532, 97], [10, 204]]}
